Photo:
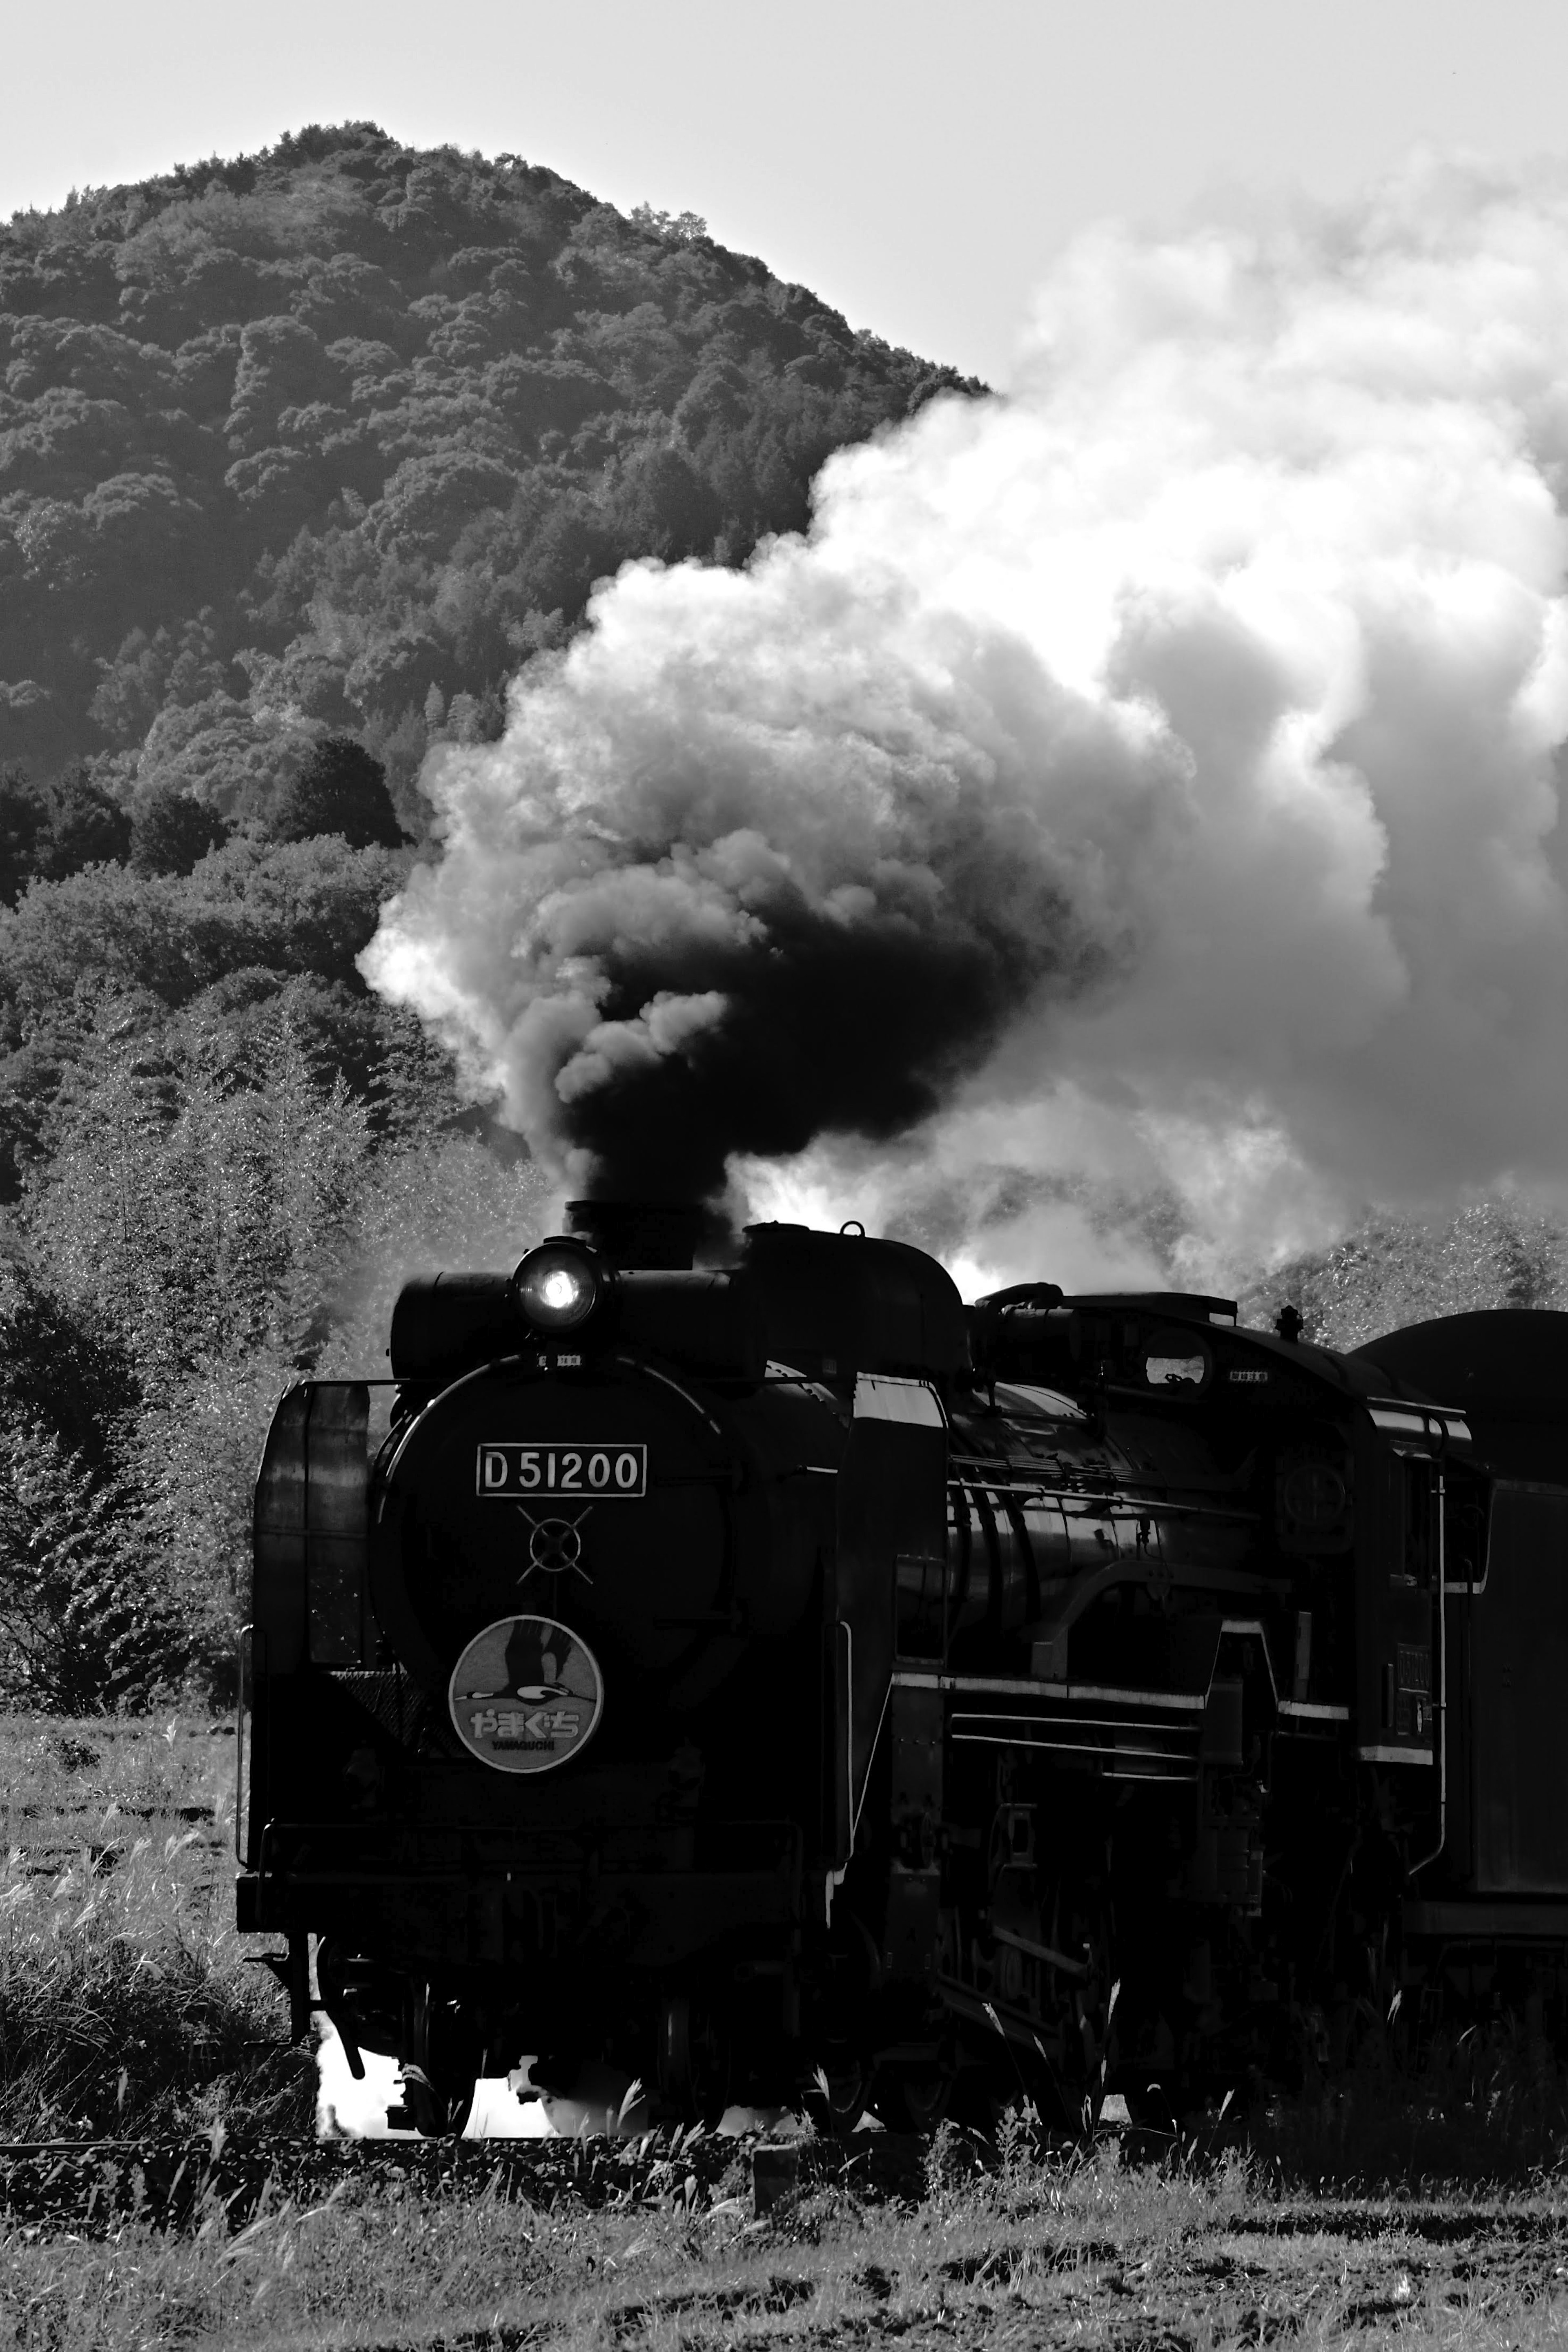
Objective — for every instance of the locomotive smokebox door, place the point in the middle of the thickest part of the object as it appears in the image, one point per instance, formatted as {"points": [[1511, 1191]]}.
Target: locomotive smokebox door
{"points": [[892, 1505]]}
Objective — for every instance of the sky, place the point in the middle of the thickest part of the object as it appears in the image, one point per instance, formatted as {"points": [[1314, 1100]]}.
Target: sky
{"points": [[919, 165]]}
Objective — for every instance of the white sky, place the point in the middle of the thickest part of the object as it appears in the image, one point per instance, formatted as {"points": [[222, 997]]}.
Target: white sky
{"points": [[916, 162]]}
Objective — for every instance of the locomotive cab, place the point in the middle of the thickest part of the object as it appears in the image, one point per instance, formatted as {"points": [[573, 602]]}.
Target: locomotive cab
{"points": [[1487, 1910]]}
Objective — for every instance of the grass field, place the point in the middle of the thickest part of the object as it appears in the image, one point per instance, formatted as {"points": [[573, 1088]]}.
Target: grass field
{"points": [[126, 2002], [1386, 2209], [1072, 2250]]}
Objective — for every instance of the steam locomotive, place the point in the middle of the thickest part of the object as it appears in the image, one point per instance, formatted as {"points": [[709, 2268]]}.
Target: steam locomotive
{"points": [[775, 1675]]}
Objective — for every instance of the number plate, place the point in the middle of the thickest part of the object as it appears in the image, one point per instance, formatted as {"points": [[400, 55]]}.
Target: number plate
{"points": [[608, 1473]]}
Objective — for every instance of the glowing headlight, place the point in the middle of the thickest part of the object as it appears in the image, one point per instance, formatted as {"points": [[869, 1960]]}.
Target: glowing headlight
{"points": [[557, 1287]]}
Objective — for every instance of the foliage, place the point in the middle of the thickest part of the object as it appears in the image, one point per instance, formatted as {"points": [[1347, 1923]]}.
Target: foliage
{"points": [[219, 1194], [196, 1211], [86, 1621], [339, 790], [57, 1371], [83, 825], [49, 830], [1395, 1270], [172, 831], [328, 439]]}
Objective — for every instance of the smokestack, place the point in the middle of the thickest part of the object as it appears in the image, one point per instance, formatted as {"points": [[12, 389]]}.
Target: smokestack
{"points": [[649, 1234]]}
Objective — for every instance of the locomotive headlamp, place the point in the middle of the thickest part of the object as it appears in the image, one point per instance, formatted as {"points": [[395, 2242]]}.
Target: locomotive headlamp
{"points": [[557, 1287]]}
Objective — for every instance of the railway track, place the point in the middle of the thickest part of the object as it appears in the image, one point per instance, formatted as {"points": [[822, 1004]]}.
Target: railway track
{"points": [[96, 2186], [92, 2188]]}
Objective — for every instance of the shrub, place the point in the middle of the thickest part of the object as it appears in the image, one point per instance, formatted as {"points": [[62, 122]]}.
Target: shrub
{"points": [[83, 1624]]}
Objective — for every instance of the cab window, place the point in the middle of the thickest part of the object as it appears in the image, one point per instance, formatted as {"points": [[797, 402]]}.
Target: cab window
{"points": [[1175, 1360]]}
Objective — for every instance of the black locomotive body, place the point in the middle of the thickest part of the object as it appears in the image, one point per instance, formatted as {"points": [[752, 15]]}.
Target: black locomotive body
{"points": [[776, 1674]]}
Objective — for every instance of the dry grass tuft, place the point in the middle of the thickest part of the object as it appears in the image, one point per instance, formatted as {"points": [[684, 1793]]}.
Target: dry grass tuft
{"points": [[126, 2005]]}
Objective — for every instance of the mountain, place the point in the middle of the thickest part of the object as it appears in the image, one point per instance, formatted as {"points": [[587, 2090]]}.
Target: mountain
{"points": [[331, 438]]}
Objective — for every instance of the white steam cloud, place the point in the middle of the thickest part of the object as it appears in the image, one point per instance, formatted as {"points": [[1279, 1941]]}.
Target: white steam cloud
{"points": [[1124, 833]]}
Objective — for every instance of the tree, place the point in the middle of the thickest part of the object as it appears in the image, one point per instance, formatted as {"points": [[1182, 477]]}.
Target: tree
{"points": [[295, 906], [84, 827], [23, 818], [172, 832], [53, 829], [341, 790], [86, 1623], [199, 1213], [1395, 1270]]}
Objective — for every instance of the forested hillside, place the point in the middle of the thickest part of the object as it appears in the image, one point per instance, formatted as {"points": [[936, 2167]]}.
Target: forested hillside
{"points": [[1395, 1270], [336, 434], [301, 457]]}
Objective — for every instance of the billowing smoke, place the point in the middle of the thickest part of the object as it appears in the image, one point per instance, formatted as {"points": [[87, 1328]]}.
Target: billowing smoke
{"points": [[766, 856], [1138, 789]]}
